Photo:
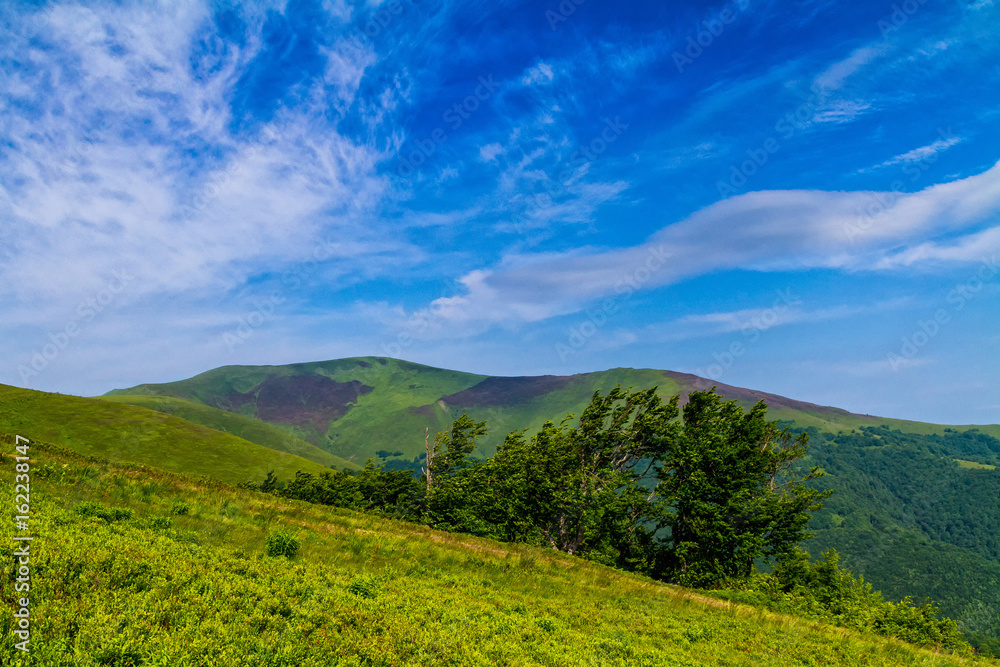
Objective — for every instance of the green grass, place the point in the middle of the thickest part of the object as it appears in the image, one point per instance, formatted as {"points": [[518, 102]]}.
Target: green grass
{"points": [[122, 432], [127, 580], [972, 465], [254, 430]]}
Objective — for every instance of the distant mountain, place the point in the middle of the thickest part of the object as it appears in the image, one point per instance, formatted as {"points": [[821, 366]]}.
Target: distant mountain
{"points": [[916, 509], [356, 408]]}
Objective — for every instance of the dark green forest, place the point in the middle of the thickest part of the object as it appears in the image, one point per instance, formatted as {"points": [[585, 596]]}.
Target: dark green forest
{"points": [[710, 496], [903, 504]]}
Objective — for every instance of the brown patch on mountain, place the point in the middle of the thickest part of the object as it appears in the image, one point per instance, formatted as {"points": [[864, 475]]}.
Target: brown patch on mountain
{"points": [[309, 401], [689, 383], [422, 410], [497, 391]]}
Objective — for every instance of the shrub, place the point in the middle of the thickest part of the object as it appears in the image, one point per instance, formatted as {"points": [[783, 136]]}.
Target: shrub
{"points": [[109, 514], [180, 508], [282, 543], [365, 586], [158, 522]]}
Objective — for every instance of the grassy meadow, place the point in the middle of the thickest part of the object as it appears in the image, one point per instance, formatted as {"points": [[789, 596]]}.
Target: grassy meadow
{"points": [[253, 430], [136, 566], [121, 432]]}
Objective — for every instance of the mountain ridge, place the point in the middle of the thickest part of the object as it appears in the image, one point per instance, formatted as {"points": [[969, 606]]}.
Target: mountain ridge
{"points": [[282, 394]]}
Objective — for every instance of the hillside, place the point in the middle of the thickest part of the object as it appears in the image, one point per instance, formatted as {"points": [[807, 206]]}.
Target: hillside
{"points": [[905, 511], [121, 432], [146, 567], [356, 408], [253, 430]]}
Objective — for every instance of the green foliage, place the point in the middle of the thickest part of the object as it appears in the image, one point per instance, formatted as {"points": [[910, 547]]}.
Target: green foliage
{"points": [[366, 586], [913, 521], [698, 500], [180, 508], [367, 591], [903, 514], [824, 591], [109, 514], [282, 543], [729, 494]]}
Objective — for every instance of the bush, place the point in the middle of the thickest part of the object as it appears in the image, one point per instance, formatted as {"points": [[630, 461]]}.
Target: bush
{"points": [[282, 543], [824, 591], [158, 523], [109, 514], [180, 508], [365, 586]]}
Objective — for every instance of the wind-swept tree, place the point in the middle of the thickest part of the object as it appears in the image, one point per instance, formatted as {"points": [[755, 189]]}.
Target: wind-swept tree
{"points": [[584, 489], [729, 493], [451, 482]]}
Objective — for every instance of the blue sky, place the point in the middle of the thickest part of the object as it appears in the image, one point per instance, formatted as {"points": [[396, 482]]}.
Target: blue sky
{"points": [[802, 198]]}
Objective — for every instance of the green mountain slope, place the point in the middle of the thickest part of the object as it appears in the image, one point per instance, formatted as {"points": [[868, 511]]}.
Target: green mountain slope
{"points": [[356, 408], [254, 430], [122, 432], [904, 512], [141, 567]]}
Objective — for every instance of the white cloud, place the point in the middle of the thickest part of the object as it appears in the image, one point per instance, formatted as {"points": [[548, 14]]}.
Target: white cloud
{"points": [[919, 154], [539, 74], [786, 308], [103, 179], [764, 231], [834, 76], [489, 152], [841, 111]]}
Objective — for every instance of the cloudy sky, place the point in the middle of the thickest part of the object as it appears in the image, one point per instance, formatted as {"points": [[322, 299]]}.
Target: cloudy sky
{"points": [[802, 198]]}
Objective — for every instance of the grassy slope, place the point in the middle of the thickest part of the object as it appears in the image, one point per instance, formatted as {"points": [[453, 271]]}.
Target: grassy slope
{"points": [[254, 430], [196, 589], [129, 433], [385, 419], [388, 410]]}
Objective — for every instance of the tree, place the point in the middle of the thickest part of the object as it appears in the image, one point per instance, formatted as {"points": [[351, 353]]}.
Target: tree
{"points": [[451, 478], [586, 489], [728, 493]]}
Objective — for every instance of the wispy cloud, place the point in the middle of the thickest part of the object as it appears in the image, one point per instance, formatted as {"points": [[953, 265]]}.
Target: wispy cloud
{"points": [[921, 154], [765, 231], [132, 160], [834, 76], [539, 74], [710, 324]]}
